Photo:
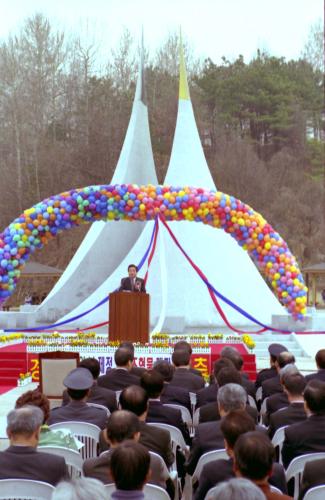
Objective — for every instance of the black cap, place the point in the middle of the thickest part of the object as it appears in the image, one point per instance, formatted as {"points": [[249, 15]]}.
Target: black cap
{"points": [[276, 349], [79, 379]]}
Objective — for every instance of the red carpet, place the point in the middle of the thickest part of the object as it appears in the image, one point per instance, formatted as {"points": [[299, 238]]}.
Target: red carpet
{"points": [[13, 361]]}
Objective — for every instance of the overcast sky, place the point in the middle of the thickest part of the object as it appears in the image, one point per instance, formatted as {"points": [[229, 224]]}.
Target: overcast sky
{"points": [[212, 27]]}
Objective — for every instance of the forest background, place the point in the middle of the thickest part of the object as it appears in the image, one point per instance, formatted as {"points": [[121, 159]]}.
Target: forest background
{"points": [[64, 115]]}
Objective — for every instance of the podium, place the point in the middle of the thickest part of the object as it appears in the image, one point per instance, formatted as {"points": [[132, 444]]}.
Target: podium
{"points": [[129, 316]]}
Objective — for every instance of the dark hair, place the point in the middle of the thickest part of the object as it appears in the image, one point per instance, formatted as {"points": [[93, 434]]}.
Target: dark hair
{"points": [[294, 383], [127, 345], [285, 358], [236, 423], [153, 383], [92, 364], [165, 368], [229, 376], [129, 466], [181, 357], [234, 356], [320, 358], [134, 398], [122, 425], [35, 398], [122, 356], [254, 455], [133, 265], [77, 394], [183, 346], [314, 395], [222, 363]]}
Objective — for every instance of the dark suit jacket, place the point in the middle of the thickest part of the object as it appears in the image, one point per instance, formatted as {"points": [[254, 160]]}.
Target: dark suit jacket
{"points": [[98, 468], [117, 379], [158, 413], [98, 395], [275, 403], [207, 395], [175, 395], [196, 372], [186, 379], [25, 462], [157, 440], [314, 475], [320, 375], [139, 285], [286, 416], [80, 412], [248, 385], [210, 412], [271, 386], [304, 437], [265, 375], [221, 470]]}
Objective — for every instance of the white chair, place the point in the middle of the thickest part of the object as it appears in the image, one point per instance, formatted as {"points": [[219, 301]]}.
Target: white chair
{"points": [[278, 439], [196, 418], [193, 399], [25, 489], [274, 489], [72, 458], [169, 474], [176, 437], [296, 468], [259, 394], [263, 411], [251, 401], [87, 433], [102, 407], [151, 491], [117, 394], [206, 458], [186, 416], [316, 493]]}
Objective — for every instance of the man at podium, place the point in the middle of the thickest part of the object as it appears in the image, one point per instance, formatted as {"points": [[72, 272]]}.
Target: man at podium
{"points": [[132, 283]]}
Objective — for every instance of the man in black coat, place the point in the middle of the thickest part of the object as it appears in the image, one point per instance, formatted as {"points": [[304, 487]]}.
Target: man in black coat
{"points": [[320, 363], [153, 383], [274, 351], [183, 377], [294, 386], [307, 436], [171, 393], [273, 385], [78, 381], [120, 377], [182, 345], [22, 460], [209, 394], [236, 358], [279, 400], [233, 425], [132, 283], [314, 475], [97, 394]]}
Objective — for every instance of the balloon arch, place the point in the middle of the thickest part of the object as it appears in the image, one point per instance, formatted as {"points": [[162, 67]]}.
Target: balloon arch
{"points": [[36, 225]]}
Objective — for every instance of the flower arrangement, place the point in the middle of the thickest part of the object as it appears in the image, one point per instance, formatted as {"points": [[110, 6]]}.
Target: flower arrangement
{"points": [[215, 336], [24, 379], [248, 341], [12, 337]]}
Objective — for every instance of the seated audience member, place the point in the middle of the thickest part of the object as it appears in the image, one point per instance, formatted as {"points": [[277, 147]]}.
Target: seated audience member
{"points": [[78, 382], [208, 436], [47, 437], [130, 469], [293, 386], [313, 475], [22, 460], [235, 357], [183, 377], [80, 488], [209, 394], [274, 351], [153, 383], [273, 385], [135, 399], [237, 489], [120, 377], [320, 363], [121, 426], [253, 459], [97, 394], [171, 393], [225, 376], [307, 436], [279, 400], [182, 345], [135, 370]]}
